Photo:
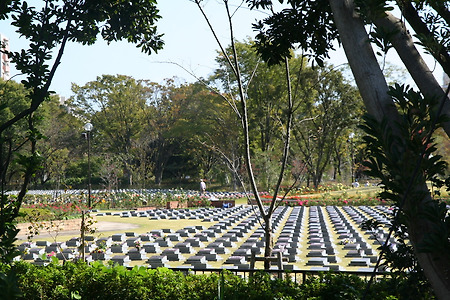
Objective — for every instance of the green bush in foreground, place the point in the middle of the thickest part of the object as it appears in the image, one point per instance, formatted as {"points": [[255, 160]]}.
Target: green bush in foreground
{"points": [[77, 280]]}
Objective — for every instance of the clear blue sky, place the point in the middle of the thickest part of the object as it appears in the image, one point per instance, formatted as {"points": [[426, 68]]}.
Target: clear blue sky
{"points": [[188, 42]]}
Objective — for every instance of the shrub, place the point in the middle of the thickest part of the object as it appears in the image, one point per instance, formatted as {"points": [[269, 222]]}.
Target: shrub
{"points": [[78, 280], [332, 286], [411, 286], [262, 286]]}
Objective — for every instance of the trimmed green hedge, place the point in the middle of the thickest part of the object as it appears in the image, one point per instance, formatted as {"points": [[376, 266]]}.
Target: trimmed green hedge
{"points": [[77, 280]]}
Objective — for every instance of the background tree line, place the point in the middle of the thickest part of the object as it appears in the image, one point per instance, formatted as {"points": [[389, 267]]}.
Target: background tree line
{"points": [[147, 134]]}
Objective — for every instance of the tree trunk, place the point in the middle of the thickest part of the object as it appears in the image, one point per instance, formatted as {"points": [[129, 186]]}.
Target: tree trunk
{"points": [[373, 89], [235, 181], [410, 13], [269, 241], [337, 166], [421, 74], [368, 75], [159, 170], [158, 178], [436, 264]]}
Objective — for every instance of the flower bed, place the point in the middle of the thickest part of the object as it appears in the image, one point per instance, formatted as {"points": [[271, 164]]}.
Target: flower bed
{"points": [[324, 201], [53, 210]]}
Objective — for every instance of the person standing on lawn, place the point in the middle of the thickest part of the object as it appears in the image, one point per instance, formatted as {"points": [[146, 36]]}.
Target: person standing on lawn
{"points": [[202, 186]]}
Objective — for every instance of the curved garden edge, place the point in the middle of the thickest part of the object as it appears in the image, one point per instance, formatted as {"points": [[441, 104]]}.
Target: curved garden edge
{"points": [[70, 227]]}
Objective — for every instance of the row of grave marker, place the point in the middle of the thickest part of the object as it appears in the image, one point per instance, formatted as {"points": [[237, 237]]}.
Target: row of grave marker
{"points": [[326, 234]]}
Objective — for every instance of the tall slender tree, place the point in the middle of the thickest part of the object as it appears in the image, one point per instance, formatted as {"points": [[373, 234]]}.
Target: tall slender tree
{"points": [[238, 101]]}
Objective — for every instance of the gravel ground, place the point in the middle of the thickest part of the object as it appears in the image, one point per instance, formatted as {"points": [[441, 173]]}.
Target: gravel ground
{"points": [[102, 226]]}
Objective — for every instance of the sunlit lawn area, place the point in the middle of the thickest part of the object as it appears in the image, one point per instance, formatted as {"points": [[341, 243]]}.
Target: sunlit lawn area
{"points": [[145, 225], [139, 226]]}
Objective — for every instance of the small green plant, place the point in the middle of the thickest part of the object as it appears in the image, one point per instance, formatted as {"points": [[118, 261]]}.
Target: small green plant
{"points": [[332, 286], [9, 284]]}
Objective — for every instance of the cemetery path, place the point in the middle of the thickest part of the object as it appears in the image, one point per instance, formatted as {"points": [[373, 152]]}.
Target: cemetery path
{"points": [[102, 226]]}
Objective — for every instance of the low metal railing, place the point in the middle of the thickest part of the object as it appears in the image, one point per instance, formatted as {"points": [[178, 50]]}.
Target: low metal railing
{"points": [[298, 276]]}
